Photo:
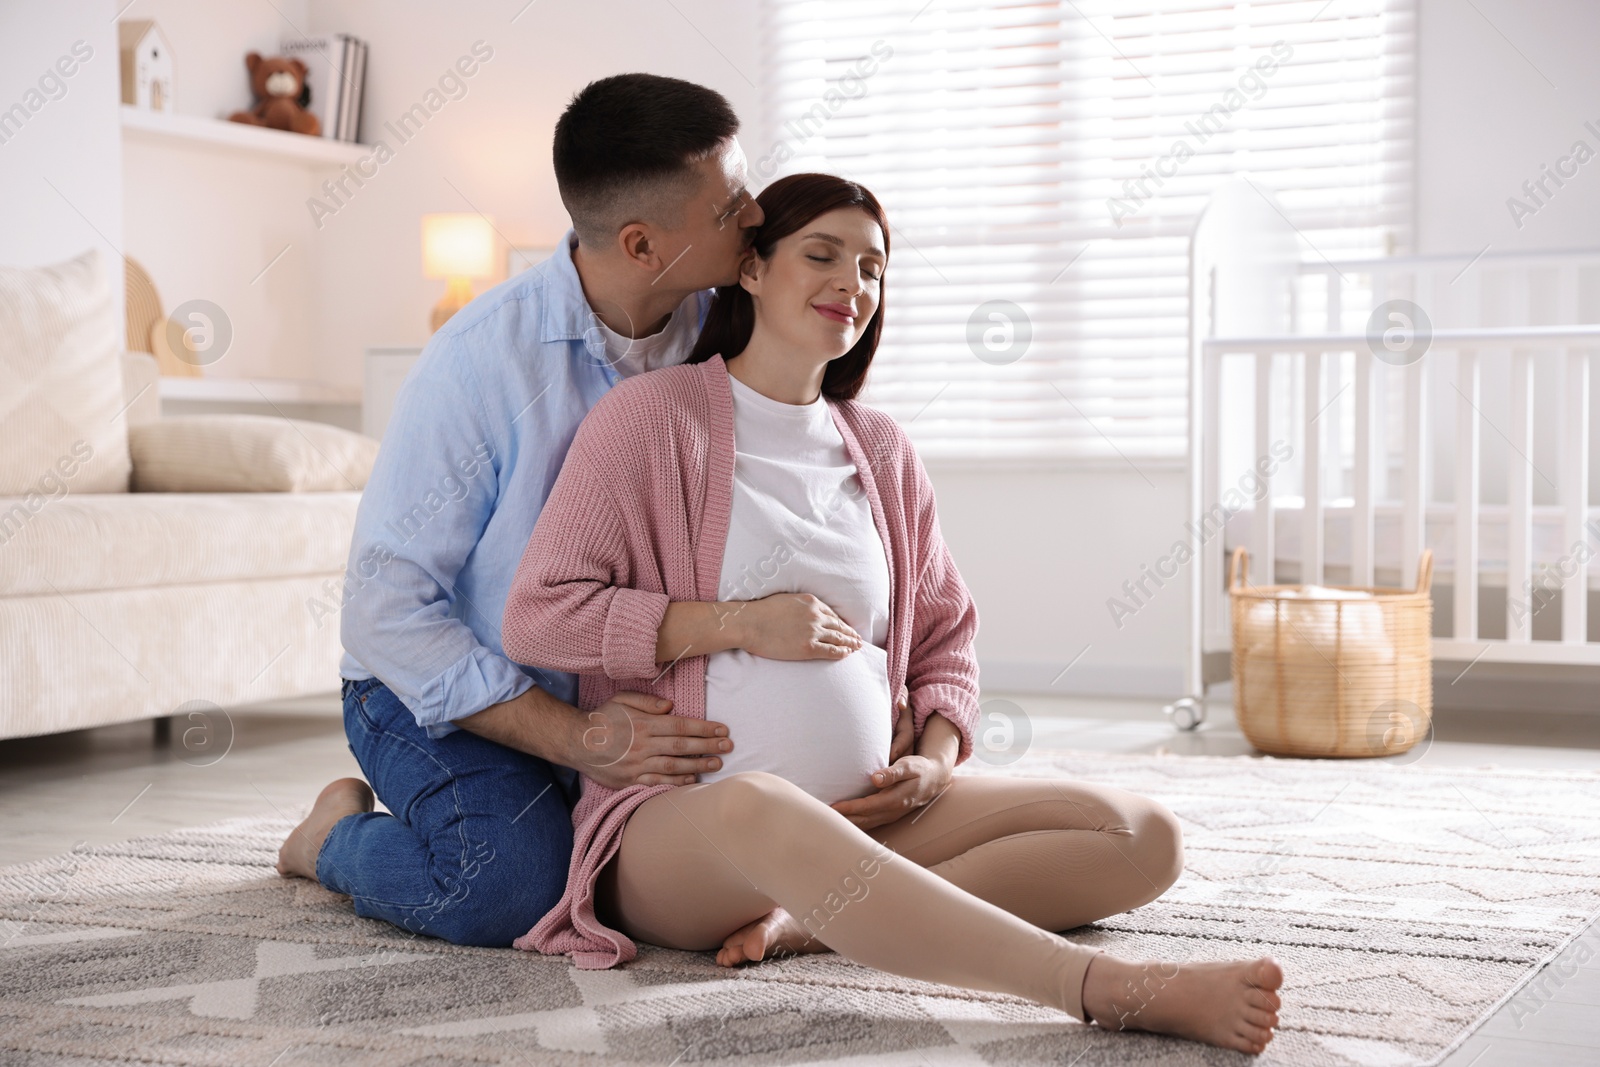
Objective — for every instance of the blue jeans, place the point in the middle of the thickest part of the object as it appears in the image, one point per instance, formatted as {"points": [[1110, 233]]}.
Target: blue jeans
{"points": [[477, 847]]}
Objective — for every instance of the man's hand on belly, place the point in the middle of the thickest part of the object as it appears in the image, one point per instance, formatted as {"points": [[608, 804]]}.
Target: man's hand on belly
{"points": [[629, 740]]}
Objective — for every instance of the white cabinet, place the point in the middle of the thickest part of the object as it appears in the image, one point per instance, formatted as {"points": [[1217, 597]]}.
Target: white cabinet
{"points": [[290, 398], [386, 367]]}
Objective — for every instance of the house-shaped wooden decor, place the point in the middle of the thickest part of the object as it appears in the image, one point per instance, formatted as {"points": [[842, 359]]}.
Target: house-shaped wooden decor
{"points": [[146, 65]]}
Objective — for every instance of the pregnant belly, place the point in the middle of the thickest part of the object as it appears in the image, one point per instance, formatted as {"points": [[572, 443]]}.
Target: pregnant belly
{"points": [[822, 724]]}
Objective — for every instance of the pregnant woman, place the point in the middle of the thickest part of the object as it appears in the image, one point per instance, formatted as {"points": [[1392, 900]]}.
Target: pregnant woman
{"points": [[748, 474]]}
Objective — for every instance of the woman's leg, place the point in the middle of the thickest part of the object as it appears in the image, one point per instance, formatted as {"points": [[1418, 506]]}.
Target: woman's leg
{"points": [[701, 860], [1057, 853]]}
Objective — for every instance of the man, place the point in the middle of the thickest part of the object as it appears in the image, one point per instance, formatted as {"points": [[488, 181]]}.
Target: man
{"points": [[471, 753]]}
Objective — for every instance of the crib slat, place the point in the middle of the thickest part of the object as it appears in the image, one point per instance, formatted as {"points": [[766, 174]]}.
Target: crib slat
{"points": [[1567, 294], [1311, 473], [1414, 479], [1575, 499], [1332, 436], [1519, 501], [1263, 550], [1361, 482], [1214, 605], [1467, 497], [1383, 378], [1419, 449]]}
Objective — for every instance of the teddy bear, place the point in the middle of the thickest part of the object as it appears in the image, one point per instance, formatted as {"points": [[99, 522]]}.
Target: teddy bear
{"points": [[279, 84]]}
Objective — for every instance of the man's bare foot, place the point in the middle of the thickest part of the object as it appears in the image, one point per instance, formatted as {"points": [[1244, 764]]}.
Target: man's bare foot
{"points": [[298, 856], [1232, 1004], [775, 934]]}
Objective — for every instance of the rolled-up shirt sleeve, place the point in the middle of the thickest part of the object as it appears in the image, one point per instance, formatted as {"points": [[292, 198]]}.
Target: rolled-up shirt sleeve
{"points": [[425, 507]]}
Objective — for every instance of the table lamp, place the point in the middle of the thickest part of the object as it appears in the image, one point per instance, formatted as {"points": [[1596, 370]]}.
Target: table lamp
{"points": [[457, 248]]}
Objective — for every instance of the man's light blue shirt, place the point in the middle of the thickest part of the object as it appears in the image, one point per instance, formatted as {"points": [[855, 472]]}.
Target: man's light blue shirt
{"points": [[479, 430]]}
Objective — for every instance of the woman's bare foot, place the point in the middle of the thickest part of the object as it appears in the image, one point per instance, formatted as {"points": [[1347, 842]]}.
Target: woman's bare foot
{"points": [[777, 933], [1233, 1004], [298, 856]]}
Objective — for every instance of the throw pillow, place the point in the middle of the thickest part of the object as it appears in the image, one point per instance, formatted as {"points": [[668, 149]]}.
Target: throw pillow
{"points": [[247, 454], [62, 423]]}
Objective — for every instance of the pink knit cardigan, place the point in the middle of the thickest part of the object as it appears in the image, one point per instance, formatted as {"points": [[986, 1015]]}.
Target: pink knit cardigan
{"points": [[638, 518]]}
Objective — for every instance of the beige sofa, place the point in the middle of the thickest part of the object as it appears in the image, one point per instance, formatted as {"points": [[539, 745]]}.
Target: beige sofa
{"points": [[125, 605]]}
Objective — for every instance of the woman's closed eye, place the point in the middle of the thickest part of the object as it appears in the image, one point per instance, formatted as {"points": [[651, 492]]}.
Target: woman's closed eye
{"points": [[829, 259]]}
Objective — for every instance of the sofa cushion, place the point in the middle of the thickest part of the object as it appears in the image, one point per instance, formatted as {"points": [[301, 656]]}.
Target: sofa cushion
{"points": [[61, 403], [247, 454], [74, 543], [89, 659], [141, 388]]}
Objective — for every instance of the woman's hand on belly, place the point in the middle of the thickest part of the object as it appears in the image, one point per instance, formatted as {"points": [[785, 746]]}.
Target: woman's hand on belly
{"points": [[791, 626], [907, 784], [910, 782]]}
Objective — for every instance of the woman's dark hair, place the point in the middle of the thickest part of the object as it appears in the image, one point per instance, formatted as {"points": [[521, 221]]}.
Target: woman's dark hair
{"points": [[789, 204]]}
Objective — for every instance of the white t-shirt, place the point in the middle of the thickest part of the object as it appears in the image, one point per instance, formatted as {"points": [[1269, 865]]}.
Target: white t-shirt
{"points": [[667, 347], [802, 523]]}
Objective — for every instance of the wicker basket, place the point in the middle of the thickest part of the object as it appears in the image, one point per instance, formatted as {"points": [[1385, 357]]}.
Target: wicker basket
{"points": [[1332, 671]]}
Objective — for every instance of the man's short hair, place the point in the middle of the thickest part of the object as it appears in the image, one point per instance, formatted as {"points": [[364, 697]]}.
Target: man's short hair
{"points": [[626, 146]]}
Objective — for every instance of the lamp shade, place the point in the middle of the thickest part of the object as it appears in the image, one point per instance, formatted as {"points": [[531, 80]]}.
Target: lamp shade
{"points": [[457, 246]]}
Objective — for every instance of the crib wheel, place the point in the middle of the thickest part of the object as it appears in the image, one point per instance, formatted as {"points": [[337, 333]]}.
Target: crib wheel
{"points": [[1186, 713]]}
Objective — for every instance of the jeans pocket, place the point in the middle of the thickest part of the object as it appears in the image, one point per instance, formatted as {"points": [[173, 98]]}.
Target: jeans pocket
{"points": [[356, 698]]}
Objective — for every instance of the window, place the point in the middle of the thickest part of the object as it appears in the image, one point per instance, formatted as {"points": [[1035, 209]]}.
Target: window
{"points": [[1042, 163]]}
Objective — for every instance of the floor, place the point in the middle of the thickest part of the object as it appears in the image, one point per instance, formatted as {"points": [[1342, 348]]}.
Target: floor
{"points": [[113, 783]]}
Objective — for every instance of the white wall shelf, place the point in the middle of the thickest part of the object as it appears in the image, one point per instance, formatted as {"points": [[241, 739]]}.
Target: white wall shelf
{"points": [[235, 137], [257, 391]]}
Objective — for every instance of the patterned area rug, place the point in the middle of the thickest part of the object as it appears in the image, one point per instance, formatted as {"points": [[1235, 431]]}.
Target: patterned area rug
{"points": [[1404, 903]]}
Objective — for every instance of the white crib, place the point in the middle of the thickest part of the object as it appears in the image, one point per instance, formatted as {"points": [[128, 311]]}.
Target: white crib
{"points": [[1480, 448]]}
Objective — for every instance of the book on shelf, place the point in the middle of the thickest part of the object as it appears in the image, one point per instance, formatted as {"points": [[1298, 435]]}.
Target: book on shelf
{"points": [[336, 67], [358, 73]]}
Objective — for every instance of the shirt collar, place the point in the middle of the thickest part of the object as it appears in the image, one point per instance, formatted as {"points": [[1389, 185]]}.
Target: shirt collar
{"points": [[567, 316], [566, 311]]}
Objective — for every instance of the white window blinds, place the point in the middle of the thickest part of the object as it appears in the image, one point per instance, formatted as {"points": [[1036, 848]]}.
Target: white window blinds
{"points": [[1042, 163]]}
